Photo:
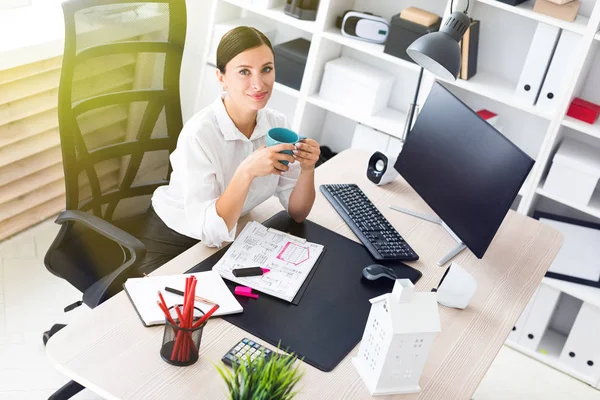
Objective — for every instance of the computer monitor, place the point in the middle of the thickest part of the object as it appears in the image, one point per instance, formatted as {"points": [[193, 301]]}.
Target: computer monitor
{"points": [[466, 171]]}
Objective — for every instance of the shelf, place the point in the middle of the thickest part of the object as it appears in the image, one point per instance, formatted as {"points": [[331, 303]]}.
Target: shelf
{"points": [[286, 90], [597, 36], [388, 121], [275, 14], [372, 49], [593, 208], [552, 343], [583, 127], [587, 294], [552, 361], [525, 187], [526, 10], [501, 90]]}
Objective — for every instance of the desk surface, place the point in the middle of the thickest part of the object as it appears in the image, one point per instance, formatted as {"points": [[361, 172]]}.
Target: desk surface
{"points": [[111, 353]]}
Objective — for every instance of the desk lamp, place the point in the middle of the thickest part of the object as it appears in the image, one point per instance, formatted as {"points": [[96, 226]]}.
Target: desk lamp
{"points": [[439, 52]]}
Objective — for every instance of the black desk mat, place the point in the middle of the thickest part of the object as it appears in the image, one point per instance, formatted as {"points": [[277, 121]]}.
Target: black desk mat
{"points": [[330, 318]]}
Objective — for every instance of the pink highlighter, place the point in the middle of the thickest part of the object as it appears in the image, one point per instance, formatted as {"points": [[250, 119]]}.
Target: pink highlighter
{"points": [[245, 291]]}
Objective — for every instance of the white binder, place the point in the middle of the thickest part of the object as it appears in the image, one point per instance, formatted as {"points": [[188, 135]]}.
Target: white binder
{"points": [[537, 61], [559, 70], [582, 348], [518, 329], [539, 316]]}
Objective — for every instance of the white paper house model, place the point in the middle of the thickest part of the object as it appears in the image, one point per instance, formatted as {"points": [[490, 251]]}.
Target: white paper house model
{"points": [[400, 330]]}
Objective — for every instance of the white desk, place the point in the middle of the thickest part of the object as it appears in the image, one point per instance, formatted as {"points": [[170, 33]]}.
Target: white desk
{"points": [[111, 353]]}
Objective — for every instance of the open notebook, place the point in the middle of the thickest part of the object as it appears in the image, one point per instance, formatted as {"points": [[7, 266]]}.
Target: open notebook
{"points": [[143, 293]]}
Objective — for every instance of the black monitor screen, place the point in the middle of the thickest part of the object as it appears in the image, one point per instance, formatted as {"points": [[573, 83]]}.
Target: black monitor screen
{"points": [[465, 170]]}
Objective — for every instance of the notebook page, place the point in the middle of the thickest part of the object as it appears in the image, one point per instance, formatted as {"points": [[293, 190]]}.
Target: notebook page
{"points": [[290, 260], [143, 293]]}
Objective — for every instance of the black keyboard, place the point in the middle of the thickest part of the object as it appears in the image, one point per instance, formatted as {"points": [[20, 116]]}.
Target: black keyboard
{"points": [[367, 223]]}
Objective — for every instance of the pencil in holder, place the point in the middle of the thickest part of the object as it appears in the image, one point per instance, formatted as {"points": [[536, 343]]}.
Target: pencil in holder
{"points": [[181, 340]]}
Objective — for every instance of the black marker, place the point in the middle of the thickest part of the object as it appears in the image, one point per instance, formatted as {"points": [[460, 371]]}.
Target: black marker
{"points": [[252, 271]]}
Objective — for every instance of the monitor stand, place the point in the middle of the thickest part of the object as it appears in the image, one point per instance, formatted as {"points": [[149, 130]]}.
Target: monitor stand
{"points": [[452, 253]]}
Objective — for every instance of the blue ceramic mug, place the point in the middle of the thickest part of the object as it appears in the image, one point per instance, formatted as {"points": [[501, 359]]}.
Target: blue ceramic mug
{"points": [[282, 135]]}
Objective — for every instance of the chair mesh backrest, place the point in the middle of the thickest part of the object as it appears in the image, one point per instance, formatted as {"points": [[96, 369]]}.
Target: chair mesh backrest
{"points": [[119, 104]]}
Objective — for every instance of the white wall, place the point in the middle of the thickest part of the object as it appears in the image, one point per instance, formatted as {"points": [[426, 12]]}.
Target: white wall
{"points": [[198, 15]]}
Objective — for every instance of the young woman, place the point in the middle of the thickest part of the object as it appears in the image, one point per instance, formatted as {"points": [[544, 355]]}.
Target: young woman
{"points": [[221, 167]]}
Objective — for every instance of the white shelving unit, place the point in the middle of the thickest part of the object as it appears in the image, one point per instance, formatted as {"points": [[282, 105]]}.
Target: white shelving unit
{"points": [[500, 90], [505, 37], [372, 49], [580, 24]]}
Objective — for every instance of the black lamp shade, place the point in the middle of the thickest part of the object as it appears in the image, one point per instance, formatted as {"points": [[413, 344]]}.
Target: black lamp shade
{"points": [[439, 52]]}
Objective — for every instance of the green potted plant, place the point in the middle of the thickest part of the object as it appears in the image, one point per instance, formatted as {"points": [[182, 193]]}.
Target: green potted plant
{"points": [[272, 379]]}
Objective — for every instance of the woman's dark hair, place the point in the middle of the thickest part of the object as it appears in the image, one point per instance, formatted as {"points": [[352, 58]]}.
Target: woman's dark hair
{"points": [[238, 40]]}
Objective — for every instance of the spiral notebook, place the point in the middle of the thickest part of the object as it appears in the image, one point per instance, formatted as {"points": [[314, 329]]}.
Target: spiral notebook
{"points": [[143, 293]]}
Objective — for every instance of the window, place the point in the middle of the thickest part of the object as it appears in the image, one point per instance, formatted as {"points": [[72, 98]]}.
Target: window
{"points": [[8, 4]]}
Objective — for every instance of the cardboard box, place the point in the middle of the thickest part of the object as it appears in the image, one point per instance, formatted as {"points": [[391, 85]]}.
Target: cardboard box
{"points": [[567, 12], [512, 2], [290, 61], [402, 33]]}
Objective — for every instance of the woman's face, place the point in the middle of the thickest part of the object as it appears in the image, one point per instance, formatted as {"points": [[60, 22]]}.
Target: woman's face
{"points": [[249, 78]]}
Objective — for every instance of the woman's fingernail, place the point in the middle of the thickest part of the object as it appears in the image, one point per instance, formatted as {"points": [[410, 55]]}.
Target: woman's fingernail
{"points": [[295, 151]]}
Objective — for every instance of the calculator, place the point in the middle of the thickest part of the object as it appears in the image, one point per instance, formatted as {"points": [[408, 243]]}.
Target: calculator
{"points": [[244, 348]]}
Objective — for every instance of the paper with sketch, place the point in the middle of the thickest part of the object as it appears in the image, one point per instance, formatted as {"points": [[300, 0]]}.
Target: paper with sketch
{"points": [[289, 258]]}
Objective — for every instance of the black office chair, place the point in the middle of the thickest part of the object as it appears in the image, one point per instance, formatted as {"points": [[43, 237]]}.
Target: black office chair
{"points": [[119, 119]]}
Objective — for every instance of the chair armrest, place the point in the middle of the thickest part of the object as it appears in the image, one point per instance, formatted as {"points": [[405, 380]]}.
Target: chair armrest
{"points": [[110, 284], [136, 248]]}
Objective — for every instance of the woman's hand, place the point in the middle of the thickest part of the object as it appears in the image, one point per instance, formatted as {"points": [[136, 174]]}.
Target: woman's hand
{"points": [[307, 153], [266, 161]]}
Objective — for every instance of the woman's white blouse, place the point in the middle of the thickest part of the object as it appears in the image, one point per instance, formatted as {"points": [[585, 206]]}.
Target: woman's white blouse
{"points": [[209, 150]]}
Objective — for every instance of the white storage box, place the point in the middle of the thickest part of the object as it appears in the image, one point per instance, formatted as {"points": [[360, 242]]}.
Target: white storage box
{"points": [[394, 146], [360, 87], [367, 138], [575, 172], [222, 28]]}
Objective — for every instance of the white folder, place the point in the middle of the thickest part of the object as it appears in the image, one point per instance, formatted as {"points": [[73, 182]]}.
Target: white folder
{"points": [[537, 62], [518, 329], [539, 316], [559, 70], [582, 348]]}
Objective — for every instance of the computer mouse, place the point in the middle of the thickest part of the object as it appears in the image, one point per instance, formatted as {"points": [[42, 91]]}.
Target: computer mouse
{"points": [[376, 271]]}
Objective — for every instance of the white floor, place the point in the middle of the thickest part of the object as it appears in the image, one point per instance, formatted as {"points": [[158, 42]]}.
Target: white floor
{"points": [[32, 299]]}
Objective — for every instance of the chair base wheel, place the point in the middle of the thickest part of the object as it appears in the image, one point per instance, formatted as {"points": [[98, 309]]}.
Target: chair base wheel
{"points": [[66, 392], [48, 334]]}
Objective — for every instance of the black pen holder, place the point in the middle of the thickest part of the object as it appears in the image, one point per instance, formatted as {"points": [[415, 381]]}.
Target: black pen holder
{"points": [[180, 346]]}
